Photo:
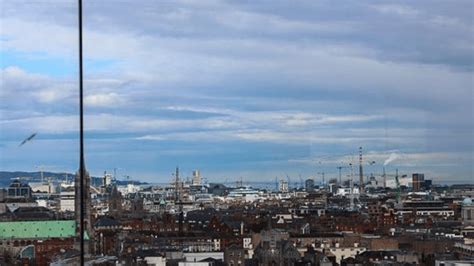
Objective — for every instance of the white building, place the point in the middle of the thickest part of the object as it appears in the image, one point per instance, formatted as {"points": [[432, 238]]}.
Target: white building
{"points": [[246, 194], [404, 181], [247, 243], [107, 179], [343, 252], [42, 203], [453, 263], [345, 191], [128, 189], [283, 186], [196, 177], [45, 187], [192, 263], [66, 201], [155, 261], [198, 256]]}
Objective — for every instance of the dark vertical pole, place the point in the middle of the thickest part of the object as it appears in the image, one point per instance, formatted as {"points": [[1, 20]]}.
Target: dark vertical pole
{"points": [[361, 173], [340, 175], [81, 135]]}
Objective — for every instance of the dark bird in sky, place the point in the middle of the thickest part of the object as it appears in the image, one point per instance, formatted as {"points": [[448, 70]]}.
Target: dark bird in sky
{"points": [[27, 139]]}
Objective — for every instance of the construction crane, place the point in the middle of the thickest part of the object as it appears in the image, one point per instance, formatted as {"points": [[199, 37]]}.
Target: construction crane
{"points": [[289, 181], [397, 182], [126, 179], [384, 175], [398, 187], [114, 179], [41, 169], [370, 163], [384, 178], [340, 173], [322, 178], [239, 183]]}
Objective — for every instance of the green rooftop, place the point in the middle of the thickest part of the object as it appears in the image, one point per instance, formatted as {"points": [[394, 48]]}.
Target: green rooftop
{"points": [[38, 229]]}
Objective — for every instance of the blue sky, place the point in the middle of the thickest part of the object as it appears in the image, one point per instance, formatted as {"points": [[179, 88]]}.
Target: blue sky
{"points": [[240, 89]]}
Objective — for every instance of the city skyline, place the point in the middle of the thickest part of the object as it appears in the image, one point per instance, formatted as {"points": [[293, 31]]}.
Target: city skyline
{"points": [[240, 90]]}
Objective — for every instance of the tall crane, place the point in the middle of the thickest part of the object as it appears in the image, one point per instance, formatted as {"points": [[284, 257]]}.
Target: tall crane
{"points": [[398, 187], [41, 169], [289, 181], [384, 178], [322, 178], [397, 182], [384, 175], [340, 173]]}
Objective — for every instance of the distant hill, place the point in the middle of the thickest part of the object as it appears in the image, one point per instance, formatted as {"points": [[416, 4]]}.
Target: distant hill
{"points": [[6, 177]]}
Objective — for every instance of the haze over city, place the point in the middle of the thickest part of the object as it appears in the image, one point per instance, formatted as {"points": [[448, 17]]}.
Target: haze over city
{"points": [[239, 89]]}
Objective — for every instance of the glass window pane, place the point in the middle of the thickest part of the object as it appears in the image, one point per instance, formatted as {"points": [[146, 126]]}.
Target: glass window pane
{"points": [[275, 132]]}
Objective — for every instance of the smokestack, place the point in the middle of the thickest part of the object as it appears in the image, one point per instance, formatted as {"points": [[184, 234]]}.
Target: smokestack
{"points": [[361, 172]]}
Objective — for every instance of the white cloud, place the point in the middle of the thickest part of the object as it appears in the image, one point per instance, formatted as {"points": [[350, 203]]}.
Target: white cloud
{"points": [[20, 34], [15, 80], [283, 119], [56, 92], [400, 10], [105, 99], [272, 24], [381, 81]]}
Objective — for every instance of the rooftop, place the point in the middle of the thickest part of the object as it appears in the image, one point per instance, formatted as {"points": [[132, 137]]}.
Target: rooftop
{"points": [[38, 229]]}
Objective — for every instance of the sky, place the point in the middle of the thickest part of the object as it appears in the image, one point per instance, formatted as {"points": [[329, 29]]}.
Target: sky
{"points": [[256, 90]]}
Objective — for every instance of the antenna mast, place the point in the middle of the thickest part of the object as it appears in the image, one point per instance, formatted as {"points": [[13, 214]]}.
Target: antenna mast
{"points": [[361, 172], [351, 194]]}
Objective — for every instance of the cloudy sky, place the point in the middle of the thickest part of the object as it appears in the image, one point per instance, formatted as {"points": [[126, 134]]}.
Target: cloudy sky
{"points": [[239, 88]]}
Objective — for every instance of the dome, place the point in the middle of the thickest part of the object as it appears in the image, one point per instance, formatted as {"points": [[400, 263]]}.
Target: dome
{"points": [[467, 201]]}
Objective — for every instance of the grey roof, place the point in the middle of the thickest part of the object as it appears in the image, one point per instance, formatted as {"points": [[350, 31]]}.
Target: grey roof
{"points": [[106, 222]]}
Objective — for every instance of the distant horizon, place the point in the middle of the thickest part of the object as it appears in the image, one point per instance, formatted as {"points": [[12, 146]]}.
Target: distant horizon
{"points": [[293, 179]]}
